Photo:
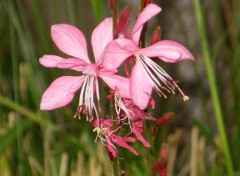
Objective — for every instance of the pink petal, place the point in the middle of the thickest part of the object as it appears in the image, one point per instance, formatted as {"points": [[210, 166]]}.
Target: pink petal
{"points": [[140, 137], [116, 82], [140, 87], [131, 139], [117, 51], [52, 61], [105, 71], [101, 36], [168, 51], [61, 92], [70, 40], [112, 150], [121, 142], [148, 12]]}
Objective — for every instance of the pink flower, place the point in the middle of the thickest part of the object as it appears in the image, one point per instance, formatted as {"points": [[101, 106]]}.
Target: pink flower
{"points": [[126, 110], [146, 74], [136, 118], [109, 137], [72, 42]]}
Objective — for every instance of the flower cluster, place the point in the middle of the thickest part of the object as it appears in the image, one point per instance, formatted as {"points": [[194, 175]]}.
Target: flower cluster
{"points": [[131, 95]]}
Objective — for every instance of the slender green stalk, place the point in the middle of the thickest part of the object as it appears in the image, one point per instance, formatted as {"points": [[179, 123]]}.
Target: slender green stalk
{"points": [[213, 87], [116, 166]]}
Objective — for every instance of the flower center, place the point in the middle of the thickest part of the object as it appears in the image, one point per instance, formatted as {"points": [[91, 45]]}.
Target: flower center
{"points": [[86, 99], [91, 70]]}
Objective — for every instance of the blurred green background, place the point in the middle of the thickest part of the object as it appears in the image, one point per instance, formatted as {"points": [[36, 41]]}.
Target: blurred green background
{"points": [[204, 136]]}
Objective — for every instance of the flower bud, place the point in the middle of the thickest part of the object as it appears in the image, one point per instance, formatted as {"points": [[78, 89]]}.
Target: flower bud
{"points": [[156, 35], [124, 20], [162, 121], [110, 2], [161, 164]]}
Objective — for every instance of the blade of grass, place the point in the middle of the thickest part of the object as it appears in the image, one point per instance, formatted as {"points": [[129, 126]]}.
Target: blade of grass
{"points": [[213, 86], [36, 81], [41, 25], [71, 11], [12, 134], [97, 7], [22, 110], [206, 133]]}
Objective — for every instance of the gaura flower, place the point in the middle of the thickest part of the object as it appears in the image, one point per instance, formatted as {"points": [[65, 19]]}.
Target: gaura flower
{"points": [[137, 118], [146, 74], [109, 137], [128, 112], [72, 42]]}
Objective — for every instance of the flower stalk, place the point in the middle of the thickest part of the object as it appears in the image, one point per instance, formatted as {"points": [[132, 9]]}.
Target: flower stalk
{"points": [[115, 162], [114, 16]]}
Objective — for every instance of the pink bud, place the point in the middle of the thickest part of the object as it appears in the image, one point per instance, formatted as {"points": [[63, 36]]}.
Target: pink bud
{"points": [[147, 2], [156, 35], [110, 4], [162, 121], [161, 164], [124, 21], [123, 173]]}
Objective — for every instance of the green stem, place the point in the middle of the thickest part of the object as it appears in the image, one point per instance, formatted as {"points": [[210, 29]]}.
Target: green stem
{"points": [[213, 87], [116, 166]]}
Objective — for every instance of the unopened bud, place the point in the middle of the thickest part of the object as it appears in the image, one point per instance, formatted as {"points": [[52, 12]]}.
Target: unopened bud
{"points": [[164, 119], [110, 2], [147, 2], [156, 35], [161, 163], [124, 20], [123, 173]]}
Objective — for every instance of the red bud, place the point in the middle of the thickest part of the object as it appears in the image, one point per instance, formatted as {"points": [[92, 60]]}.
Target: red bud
{"points": [[124, 20], [156, 35], [161, 164], [110, 2], [123, 173], [147, 2], [162, 121]]}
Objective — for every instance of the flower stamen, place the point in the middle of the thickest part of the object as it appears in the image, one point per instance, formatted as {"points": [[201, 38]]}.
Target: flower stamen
{"points": [[158, 78], [86, 99]]}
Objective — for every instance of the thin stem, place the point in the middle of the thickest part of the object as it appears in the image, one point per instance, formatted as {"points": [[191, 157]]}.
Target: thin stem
{"points": [[144, 30], [114, 15], [142, 4], [115, 162], [116, 166], [213, 87]]}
